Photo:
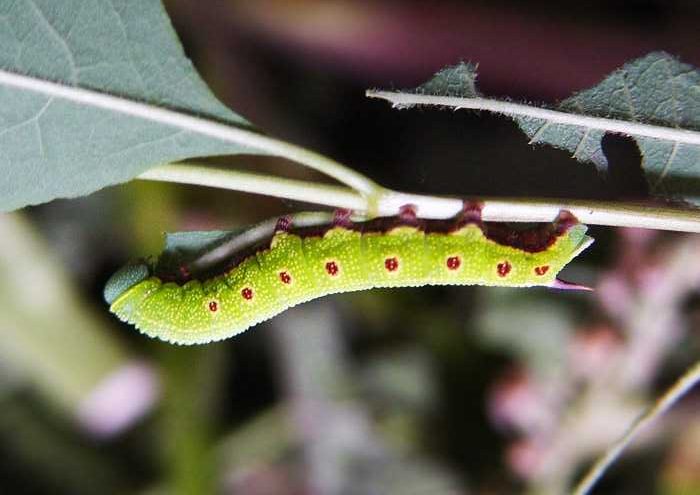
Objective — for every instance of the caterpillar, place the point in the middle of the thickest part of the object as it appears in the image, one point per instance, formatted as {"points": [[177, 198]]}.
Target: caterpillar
{"points": [[214, 298]]}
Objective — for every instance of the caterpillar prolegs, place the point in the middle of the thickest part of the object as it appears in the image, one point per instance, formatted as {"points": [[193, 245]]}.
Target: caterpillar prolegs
{"points": [[213, 300]]}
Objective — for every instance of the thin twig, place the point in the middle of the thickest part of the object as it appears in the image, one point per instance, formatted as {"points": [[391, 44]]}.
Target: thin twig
{"points": [[680, 388], [401, 99], [387, 202]]}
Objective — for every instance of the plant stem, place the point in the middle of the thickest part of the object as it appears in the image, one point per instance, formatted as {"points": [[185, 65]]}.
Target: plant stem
{"points": [[178, 120], [401, 99], [385, 202], [680, 388], [336, 196]]}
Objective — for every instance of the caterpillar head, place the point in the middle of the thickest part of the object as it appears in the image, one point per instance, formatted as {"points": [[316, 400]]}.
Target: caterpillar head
{"points": [[124, 279]]}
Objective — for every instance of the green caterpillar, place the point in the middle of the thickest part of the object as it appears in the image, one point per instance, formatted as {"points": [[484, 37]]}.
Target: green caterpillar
{"points": [[298, 263]]}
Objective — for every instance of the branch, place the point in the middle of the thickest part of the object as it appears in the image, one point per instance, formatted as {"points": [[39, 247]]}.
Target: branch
{"points": [[385, 202], [680, 388], [399, 99]]}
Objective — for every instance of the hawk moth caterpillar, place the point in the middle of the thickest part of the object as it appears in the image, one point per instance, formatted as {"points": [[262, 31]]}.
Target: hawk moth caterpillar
{"points": [[246, 280]]}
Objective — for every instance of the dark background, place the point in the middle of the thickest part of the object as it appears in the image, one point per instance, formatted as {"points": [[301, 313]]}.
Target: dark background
{"points": [[432, 390]]}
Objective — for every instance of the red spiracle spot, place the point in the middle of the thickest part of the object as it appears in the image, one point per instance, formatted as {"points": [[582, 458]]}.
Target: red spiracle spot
{"points": [[332, 268], [391, 264], [453, 262], [285, 277], [213, 306], [503, 269], [541, 270], [247, 293]]}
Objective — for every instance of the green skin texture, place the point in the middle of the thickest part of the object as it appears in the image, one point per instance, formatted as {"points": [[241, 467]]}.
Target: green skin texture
{"points": [[183, 314]]}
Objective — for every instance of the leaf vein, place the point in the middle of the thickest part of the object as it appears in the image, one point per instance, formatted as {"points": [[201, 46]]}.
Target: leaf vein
{"points": [[581, 141], [30, 120], [142, 144], [667, 165], [62, 42], [538, 133]]}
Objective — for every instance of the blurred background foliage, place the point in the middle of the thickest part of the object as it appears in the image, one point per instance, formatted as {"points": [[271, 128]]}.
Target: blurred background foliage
{"points": [[414, 391]]}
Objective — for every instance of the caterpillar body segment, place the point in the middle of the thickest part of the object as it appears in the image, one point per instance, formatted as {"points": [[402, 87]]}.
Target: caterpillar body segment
{"points": [[294, 266]]}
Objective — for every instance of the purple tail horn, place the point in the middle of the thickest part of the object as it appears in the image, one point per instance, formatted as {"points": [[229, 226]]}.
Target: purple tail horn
{"points": [[564, 285]]}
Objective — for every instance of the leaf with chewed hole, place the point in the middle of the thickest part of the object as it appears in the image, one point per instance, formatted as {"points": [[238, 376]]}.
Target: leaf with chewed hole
{"points": [[654, 99], [62, 132]]}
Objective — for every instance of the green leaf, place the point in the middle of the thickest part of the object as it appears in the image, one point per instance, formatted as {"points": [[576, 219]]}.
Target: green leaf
{"points": [[458, 80], [654, 99], [196, 241], [53, 146], [656, 90], [183, 248]]}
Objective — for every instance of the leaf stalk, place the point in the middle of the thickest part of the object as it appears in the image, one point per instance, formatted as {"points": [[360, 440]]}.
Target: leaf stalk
{"points": [[386, 202]]}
